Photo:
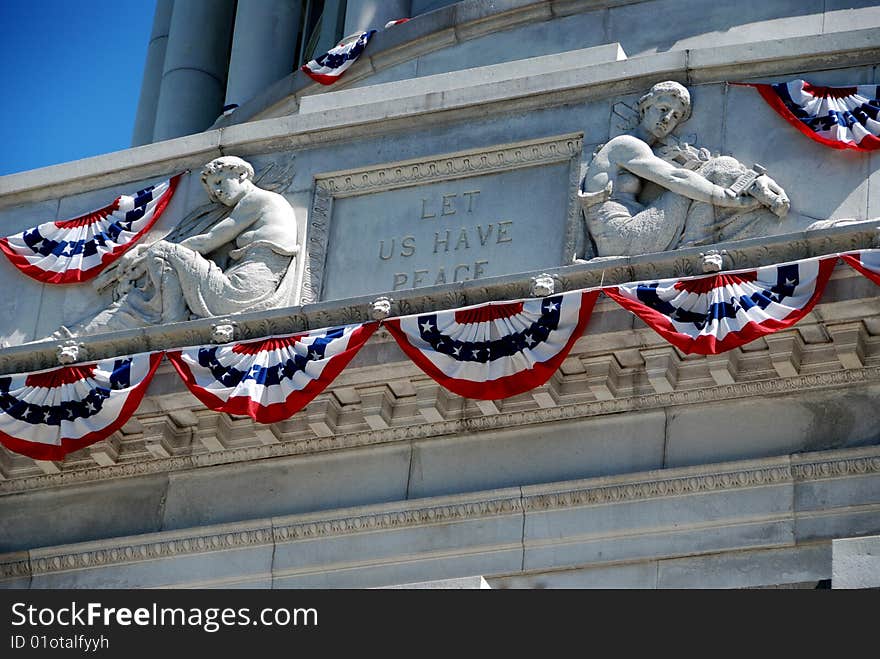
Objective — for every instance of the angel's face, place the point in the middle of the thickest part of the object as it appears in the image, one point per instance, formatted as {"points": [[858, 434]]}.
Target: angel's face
{"points": [[662, 115], [227, 187]]}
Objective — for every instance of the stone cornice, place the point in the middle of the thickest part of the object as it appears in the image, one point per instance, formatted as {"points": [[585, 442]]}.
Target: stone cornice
{"points": [[425, 430], [742, 254], [838, 464], [684, 481], [699, 65], [659, 483], [394, 517]]}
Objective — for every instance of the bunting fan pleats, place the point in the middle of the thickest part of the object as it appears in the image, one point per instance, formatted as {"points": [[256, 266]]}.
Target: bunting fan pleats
{"points": [[712, 314], [495, 350], [76, 250], [48, 414], [327, 68], [867, 262], [270, 379], [839, 117]]}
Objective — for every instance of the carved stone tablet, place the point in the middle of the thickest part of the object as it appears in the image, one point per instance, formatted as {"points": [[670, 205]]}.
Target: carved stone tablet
{"points": [[455, 218]]}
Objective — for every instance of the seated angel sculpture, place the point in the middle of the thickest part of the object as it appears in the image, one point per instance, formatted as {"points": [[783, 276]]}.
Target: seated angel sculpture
{"points": [[243, 262], [645, 193]]}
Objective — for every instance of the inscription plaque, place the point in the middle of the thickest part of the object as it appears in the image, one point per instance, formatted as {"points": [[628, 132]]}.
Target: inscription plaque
{"points": [[435, 223]]}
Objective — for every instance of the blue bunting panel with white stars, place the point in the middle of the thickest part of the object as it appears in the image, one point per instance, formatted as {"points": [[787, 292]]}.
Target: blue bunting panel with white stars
{"points": [[47, 414], [269, 379], [712, 314], [495, 350], [76, 250], [327, 68], [867, 262]]}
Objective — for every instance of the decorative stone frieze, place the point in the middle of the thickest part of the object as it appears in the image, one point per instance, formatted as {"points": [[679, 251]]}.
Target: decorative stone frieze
{"points": [[654, 485]]}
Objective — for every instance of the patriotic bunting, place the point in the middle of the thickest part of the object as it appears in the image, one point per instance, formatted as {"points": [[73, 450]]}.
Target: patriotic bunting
{"points": [[495, 350], [270, 379], [488, 352], [327, 68], [839, 117], [713, 314], [866, 262], [48, 414], [75, 250]]}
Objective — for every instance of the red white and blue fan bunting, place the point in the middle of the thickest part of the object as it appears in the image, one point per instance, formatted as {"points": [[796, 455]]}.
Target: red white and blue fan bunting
{"points": [[495, 350], [839, 117], [72, 251], [270, 379], [327, 68], [712, 314], [867, 262], [47, 414]]}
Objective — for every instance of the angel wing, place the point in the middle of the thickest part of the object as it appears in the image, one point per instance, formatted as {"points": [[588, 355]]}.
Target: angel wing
{"points": [[274, 177]]}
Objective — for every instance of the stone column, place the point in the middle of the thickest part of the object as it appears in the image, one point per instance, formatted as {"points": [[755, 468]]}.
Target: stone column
{"points": [[362, 15], [194, 76], [145, 118], [330, 19], [263, 46]]}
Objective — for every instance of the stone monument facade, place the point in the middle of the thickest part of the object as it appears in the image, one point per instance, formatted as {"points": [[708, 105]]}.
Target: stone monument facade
{"points": [[478, 152]]}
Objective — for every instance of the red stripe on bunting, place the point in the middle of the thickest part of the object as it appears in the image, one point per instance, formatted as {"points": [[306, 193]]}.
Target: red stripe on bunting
{"points": [[60, 376], [855, 261], [78, 276], [40, 451], [832, 92], [297, 400], [709, 345], [488, 312], [88, 218], [868, 143], [254, 347], [322, 78], [700, 286], [503, 387]]}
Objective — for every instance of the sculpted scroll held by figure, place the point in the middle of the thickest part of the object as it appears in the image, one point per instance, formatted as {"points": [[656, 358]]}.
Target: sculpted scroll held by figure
{"points": [[242, 262], [647, 192]]}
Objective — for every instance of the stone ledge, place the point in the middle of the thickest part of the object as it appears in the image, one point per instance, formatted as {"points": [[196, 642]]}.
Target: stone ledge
{"points": [[855, 562], [512, 73], [558, 85], [424, 517], [834, 50], [141, 162]]}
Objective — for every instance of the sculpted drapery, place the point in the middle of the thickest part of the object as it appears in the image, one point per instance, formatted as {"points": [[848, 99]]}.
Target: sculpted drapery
{"points": [[243, 262]]}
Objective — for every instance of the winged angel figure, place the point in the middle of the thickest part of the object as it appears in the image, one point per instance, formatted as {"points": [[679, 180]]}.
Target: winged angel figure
{"points": [[646, 191], [232, 255]]}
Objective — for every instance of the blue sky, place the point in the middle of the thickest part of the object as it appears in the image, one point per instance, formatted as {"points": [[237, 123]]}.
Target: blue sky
{"points": [[72, 78]]}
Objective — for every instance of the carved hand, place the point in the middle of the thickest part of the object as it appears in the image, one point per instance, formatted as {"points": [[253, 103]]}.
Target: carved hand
{"points": [[771, 195]]}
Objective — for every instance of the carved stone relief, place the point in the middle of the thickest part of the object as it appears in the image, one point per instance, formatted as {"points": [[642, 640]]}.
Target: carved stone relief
{"points": [[232, 255], [647, 191]]}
